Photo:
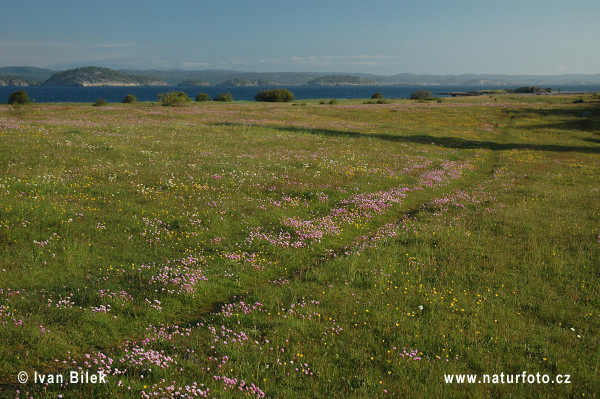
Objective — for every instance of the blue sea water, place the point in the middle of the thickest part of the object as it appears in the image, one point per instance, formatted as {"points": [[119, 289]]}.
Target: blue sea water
{"points": [[44, 94]]}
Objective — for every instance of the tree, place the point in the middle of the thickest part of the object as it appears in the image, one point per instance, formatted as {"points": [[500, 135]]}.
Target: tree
{"points": [[130, 98], [421, 95], [202, 97], [100, 102], [225, 97], [275, 95], [18, 97], [377, 95], [173, 98]]}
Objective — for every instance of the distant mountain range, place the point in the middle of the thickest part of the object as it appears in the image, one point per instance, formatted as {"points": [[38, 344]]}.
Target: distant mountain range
{"points": [[341, 80], [98, 76]]}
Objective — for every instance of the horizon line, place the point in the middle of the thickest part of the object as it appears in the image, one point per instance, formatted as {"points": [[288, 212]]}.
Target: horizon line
{"points": [[288, 71]]}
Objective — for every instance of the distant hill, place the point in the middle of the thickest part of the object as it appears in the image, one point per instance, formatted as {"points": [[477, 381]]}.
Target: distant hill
{"points": [[246, 82], [340, 80], [98, 76], [237, 82], [216, 76], [492, 80], [194, 82], [9, 81], [31, 75]]}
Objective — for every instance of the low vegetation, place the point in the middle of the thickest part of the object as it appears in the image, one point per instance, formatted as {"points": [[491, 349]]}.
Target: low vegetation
{"points": [[174, 99], [247, 250], [19, 97], [531, 90], [202, 97], [275, 95], [100, 102], [223, 97], [421, 95], [129, 99]]}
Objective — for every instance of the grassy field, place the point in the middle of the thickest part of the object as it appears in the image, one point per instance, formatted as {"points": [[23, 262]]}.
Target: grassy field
{"points": [[301, 251]]}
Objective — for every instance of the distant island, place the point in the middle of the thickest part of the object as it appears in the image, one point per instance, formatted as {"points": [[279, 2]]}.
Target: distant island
{"points": [[520, 90], [10, 81], [246, 82], [194, 82], [29, 76], [341, 80], [99, 76]]}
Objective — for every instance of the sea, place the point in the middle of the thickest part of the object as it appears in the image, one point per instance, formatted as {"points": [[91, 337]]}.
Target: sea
{"points": [[64, 94]]}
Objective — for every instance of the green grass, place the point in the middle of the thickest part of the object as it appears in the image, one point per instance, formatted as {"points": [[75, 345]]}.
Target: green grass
{"points": [[302, 249]]}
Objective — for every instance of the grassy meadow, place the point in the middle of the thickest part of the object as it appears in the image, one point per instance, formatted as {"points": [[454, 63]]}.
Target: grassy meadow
{"points": [[241, 250]]}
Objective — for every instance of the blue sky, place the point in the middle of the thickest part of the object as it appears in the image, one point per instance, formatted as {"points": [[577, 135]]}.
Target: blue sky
{"points": [[381, 37]]}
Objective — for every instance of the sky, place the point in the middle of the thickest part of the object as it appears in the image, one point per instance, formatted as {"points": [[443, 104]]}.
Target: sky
{"points": [[380, 37]]}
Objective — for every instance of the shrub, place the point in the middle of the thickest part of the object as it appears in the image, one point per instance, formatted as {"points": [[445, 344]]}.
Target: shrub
{"points": [[421, 95], [529, 90], [173, 98], [202, 97], [100, 102], [18, 97], [130, 98], [225, 97], [377, 95], [331, 102], [376, 102], [275, 95]]}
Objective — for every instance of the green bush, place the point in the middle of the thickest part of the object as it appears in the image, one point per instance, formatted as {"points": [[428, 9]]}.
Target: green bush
{"points": [[100, 102], [202, 97], [18, 97], [130, 98], [377, 95], [376, 102], [225, 97], [531, 90], [275, 95], [421, 95], [331, 102], [173, 98]]}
